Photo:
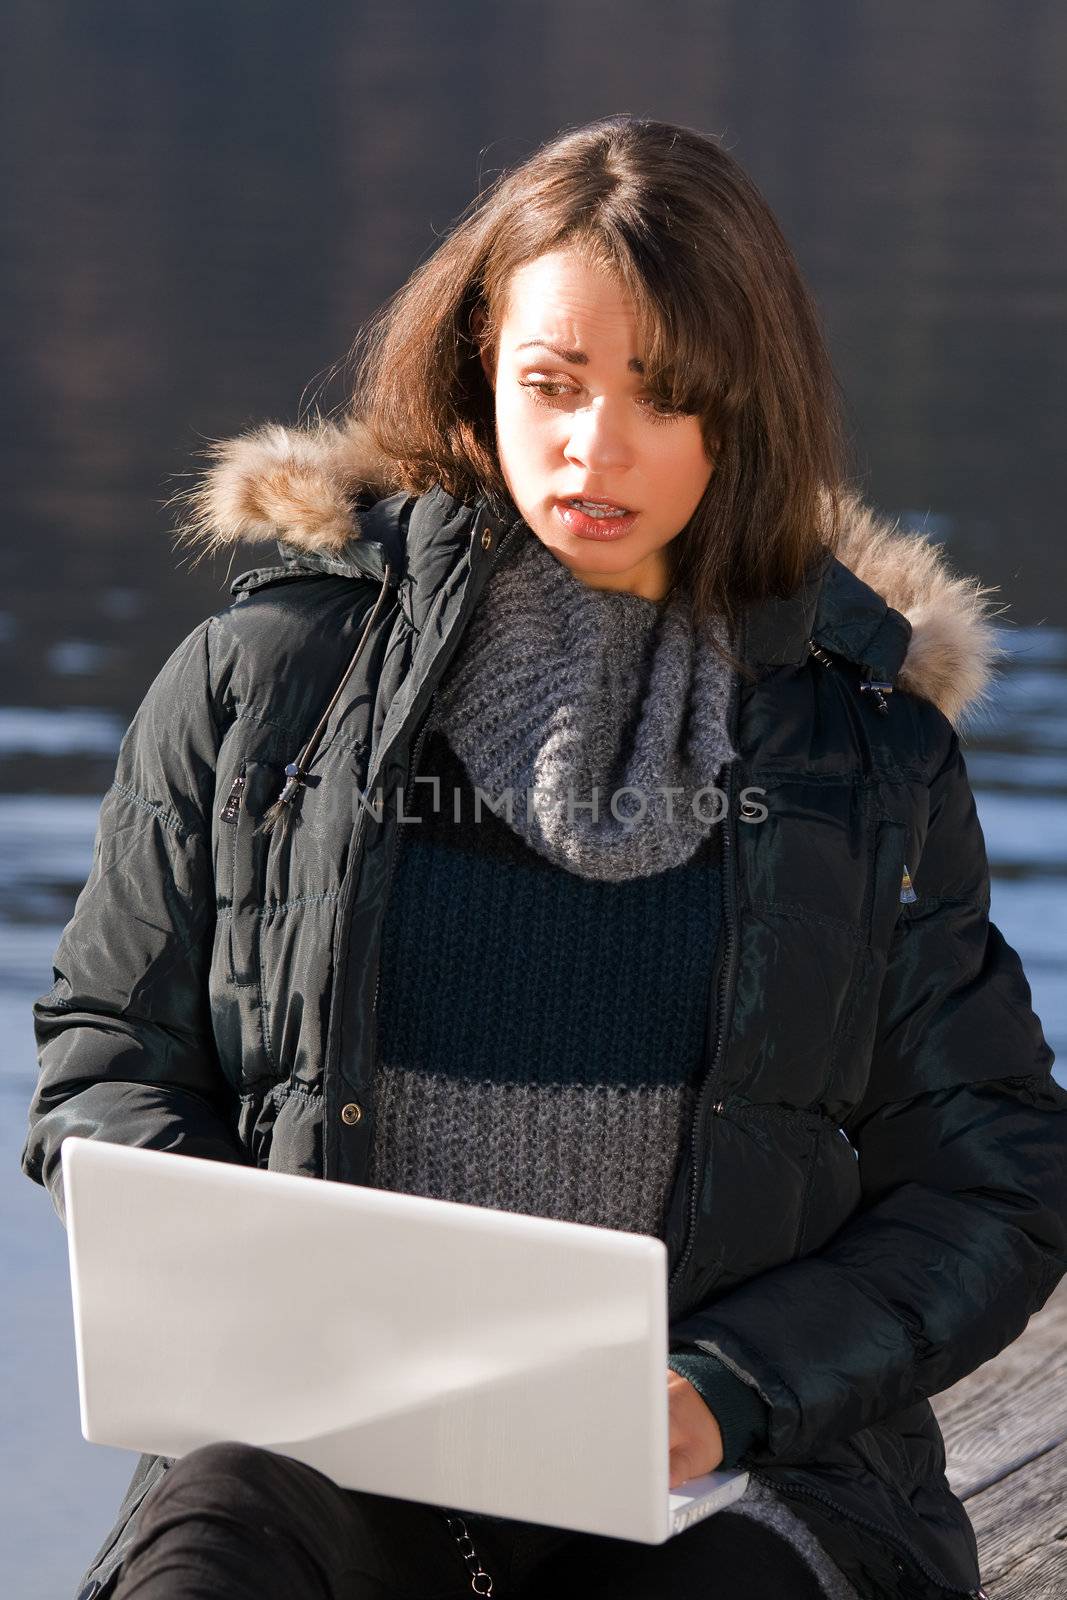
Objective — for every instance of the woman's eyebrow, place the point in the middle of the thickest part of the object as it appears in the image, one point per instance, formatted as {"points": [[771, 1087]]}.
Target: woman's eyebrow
{"points": [[577, 358]]}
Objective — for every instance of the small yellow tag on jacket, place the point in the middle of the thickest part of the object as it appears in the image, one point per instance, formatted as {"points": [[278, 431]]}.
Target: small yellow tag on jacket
{"points": [[907, 893]]}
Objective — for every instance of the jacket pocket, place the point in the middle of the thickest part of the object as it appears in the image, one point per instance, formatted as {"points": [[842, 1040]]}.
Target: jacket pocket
{"points": [[241, 855], [833, 1191]]}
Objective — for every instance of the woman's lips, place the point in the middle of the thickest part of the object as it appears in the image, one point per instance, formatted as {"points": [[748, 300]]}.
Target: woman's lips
{"points": [[586, 527]]}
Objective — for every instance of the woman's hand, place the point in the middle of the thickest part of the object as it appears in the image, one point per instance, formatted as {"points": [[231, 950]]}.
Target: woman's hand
{"points": [[695, 1440]]}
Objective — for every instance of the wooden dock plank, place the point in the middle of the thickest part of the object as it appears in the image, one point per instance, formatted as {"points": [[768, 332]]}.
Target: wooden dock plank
{"points": [[1021, 1526], [1005, 1429], [1041, 1576], [1011, 1409]]}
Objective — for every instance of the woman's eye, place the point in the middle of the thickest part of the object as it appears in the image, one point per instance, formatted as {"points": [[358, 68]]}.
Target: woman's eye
{"points": [[543, 386], [660, 410]]}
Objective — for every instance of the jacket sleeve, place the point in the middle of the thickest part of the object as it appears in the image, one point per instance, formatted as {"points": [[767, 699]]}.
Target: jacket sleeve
{"points": [[961, 1231], [124, 1038], [737, 1407]]}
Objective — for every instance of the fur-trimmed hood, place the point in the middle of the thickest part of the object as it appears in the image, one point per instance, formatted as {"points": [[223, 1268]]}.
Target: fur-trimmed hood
{"points": [[301, 487]]}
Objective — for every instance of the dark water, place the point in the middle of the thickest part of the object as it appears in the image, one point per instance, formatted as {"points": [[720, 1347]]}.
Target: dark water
{"points": [[203, 204]]}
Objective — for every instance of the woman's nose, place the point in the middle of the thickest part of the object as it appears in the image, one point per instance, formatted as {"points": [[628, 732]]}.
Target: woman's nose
{"points": [[598, 441]]}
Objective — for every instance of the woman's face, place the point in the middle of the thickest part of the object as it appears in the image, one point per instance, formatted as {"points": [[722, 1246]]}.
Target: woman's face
{"points": [[577, 420]]}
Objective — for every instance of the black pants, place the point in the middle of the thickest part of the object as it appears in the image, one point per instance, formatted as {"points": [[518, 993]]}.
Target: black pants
{"points": [[233, 1520]]}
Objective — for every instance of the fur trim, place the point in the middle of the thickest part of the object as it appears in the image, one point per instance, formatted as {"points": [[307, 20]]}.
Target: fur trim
{"points": [[299, 484], [953, 652]]}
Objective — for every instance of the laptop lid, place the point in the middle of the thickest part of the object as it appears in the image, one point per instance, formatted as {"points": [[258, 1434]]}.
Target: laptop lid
{"points": [[465, 1357]]}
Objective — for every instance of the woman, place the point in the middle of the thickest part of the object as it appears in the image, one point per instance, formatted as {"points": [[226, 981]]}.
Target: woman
{"points": [[714, 962]]}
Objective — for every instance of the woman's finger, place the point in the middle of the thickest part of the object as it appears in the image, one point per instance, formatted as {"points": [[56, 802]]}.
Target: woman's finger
{"points": [[680, 1467]]}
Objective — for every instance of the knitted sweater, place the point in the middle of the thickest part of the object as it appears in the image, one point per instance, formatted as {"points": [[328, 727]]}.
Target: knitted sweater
{"points": [[559, 1080]]}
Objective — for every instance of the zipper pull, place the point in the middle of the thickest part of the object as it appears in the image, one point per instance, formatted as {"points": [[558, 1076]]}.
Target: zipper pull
{"points": [[233, 799], [908, 896]]}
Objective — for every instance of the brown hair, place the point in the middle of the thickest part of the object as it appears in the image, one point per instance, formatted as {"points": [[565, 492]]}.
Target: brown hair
{"points": [[728, 328]]}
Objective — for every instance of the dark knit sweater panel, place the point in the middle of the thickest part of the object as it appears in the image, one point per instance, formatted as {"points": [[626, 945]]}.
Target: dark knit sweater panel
{"points": [[560, 1079]]}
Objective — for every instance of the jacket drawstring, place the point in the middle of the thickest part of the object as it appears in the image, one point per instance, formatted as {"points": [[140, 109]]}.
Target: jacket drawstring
{"points": [[879, 689], [871, 685], [296, 771]]}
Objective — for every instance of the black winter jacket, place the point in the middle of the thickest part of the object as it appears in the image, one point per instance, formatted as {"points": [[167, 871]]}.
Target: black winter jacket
{"points": [[873, 1199]]}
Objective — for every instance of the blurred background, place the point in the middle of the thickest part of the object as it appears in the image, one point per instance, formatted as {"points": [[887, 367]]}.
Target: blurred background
{"points": [[203, 203]]}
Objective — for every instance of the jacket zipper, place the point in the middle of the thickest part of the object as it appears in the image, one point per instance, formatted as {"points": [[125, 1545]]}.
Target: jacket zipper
{"points": [[720, 1008], [408, 787], [345, 911], [240, 960], [891, 1540], [233, 799], [410, 784]]}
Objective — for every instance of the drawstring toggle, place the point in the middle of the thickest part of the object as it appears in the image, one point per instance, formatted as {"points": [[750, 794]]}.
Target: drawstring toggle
{"points": [[879, 690], [294, 777]]}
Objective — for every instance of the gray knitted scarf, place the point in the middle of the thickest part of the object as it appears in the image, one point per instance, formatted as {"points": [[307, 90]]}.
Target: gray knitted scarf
{"points": [[562, 696]]}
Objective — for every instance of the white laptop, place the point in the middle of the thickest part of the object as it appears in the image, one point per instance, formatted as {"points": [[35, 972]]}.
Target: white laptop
{"points": [[473, 1359]]}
